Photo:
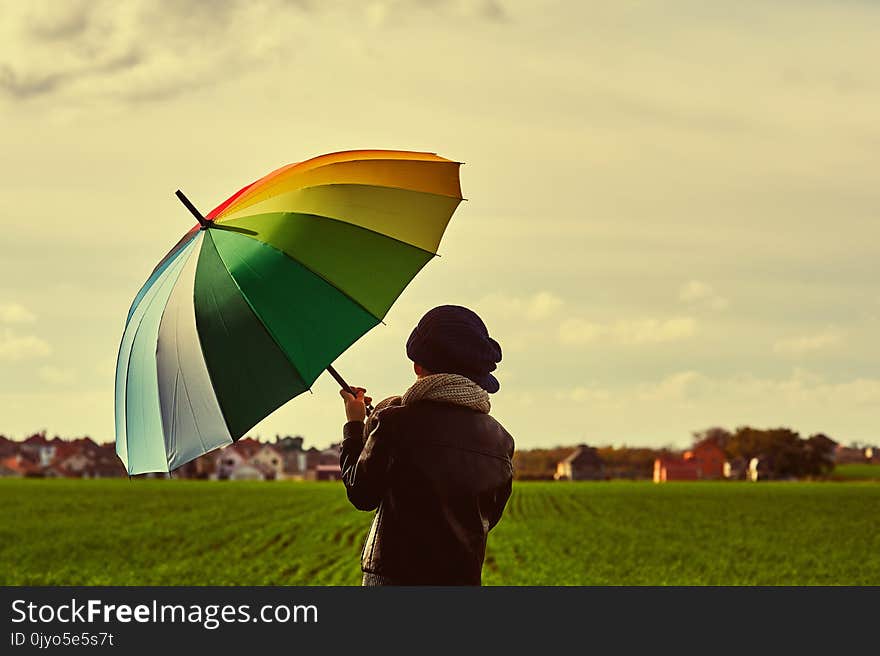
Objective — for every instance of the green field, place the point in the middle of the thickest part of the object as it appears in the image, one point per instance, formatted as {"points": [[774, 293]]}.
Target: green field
{"points": [[157, 532], [857, 472]]}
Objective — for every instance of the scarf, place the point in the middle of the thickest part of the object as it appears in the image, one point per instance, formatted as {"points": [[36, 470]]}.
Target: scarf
{"points": [[450, 388]]}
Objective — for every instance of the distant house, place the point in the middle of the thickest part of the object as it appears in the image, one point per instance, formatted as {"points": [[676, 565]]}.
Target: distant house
{"points": [[247, 472], [38, 456], [226, 461], [269, 461], [248, 459], [709, 457], [76, 464], [203, 467], [705, 461], [675, 469], [293, 456], [9, 467], [313, 458], [324, 465], [38, 449], [23, 464], [7, 447], [288, 443], [845, 455], [328, 473], [294, 464], [330, 456], [584, 464]]}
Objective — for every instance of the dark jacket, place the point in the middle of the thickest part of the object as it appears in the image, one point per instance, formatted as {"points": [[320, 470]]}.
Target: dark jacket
{"points": [[440, 475]]}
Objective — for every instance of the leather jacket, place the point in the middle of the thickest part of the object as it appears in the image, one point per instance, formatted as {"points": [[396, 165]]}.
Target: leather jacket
{"points": [[439, 475]]}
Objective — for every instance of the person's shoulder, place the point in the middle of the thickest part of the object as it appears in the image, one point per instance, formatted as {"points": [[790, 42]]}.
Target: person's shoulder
{"points": [[388, 417]]}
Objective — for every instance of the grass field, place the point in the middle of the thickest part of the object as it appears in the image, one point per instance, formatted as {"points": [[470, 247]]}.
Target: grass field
{"points": [[857, 472], [154, 532]]}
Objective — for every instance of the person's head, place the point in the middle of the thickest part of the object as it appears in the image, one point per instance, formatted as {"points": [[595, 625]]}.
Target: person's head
{"points": [[452, 339]]}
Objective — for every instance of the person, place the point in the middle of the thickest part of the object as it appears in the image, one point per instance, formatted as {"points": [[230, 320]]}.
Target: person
{"points": [[432, 463]]}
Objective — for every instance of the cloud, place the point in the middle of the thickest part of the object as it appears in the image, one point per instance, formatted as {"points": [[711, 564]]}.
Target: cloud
{"points": [[535, 307], [578, 332], [696, 292], [149, 50], [800, 345], [681, 386], [630, 332], [801, 389], [20, 347], [402, 10], [592, 394], [57, 376], [57, 21], [690, 388], [15, 313]]}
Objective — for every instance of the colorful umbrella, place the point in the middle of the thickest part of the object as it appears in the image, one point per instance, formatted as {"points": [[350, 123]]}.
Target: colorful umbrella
{"points": [[264, 293]]}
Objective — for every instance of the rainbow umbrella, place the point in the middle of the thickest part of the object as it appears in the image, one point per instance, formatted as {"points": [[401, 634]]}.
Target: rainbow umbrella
{"points": [[266, 291]]}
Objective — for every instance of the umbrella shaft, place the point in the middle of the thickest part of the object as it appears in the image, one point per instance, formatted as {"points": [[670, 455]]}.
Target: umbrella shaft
{"points": [[339, 379]]}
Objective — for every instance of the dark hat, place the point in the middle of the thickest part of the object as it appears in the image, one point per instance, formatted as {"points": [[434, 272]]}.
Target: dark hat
{"points": [[452, 339]]}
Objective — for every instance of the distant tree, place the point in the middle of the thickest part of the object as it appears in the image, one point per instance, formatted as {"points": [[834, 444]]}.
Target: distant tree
{"points": [[783, 451], [538, 464], [715, 435], [630, 462], [820, 454]]}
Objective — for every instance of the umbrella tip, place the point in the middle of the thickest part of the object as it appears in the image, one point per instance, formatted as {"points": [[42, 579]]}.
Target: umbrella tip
{"points": [[205, 223]]}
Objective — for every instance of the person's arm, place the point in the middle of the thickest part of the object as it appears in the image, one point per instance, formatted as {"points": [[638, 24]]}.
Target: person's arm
{"points": [[502, 494], [364, 461]]}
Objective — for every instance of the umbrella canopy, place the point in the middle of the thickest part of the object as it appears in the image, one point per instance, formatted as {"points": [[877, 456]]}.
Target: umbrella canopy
{"points": [[253, 303]]}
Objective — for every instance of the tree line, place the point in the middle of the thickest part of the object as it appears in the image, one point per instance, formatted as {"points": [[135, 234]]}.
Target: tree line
{"points": [[781, 453]]}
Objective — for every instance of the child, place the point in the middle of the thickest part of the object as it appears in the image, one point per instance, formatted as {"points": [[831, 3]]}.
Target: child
{"points": [[433, 462]]}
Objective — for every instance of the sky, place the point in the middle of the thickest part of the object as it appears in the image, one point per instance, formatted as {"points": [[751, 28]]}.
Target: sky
{"points": [[671, 218]]}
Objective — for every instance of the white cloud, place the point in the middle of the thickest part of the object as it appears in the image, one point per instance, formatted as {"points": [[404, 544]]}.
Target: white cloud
{"points": [[20, 347], [800, 345], [578, 332], [630, 332], [651, 331], [592, 394], [681, 386], [57, 376], [542, 305], [15, 313], [696, 292], [801, 389], [536, 307]]}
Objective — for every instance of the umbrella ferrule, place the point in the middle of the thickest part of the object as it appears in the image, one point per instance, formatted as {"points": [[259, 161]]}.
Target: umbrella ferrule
{"points": [[205, 223]]}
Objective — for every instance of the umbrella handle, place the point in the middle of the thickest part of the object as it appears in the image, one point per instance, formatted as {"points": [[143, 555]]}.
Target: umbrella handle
{"points": [[339, 379]]}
